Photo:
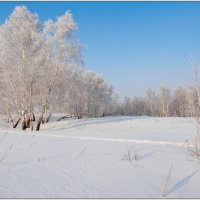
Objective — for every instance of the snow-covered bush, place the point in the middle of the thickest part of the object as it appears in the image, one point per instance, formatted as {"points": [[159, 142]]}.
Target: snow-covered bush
{"points": [[166, 182]]}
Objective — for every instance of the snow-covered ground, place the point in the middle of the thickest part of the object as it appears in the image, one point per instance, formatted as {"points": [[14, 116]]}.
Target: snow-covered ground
{"points": [[85, 159]]}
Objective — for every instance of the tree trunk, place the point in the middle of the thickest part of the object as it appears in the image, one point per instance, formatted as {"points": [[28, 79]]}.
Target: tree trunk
{"points": [[15, 125], [48, 118], [33, 117], [28, 122], [31, 125], [23, 120], [51, 84], [23, 125], [43, 120], [39, 123]]}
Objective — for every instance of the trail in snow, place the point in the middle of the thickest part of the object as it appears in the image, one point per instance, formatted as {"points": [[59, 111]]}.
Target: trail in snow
{"points": [[115, 140]]}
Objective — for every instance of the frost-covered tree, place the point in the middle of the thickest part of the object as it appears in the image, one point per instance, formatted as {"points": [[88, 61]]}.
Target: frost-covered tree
{"points": [[138, 106], [183, 102], [21, 56], [63, 51], [90, 96], [151, 102], [32, 59], [164, 95]]}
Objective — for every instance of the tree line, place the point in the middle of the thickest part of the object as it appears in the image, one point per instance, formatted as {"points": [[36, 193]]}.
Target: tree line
{"points": [[182, 102]]}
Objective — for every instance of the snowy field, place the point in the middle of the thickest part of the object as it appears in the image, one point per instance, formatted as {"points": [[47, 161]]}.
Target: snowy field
{"points": [[86, 158]]}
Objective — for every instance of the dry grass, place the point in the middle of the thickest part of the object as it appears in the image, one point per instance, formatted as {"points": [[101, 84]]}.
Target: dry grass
{"points": [[166, 182], [130, 154], [194, 148]]}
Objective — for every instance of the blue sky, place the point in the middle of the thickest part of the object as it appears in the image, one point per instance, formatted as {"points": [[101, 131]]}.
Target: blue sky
{"points": [[133, 45]]}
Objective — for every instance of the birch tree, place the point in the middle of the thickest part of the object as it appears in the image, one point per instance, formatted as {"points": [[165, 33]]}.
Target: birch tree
{"points": [[62, 49], [164, 95], [21, 55]]}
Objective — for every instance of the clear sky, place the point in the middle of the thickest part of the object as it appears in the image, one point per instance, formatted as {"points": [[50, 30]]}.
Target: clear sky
{"points": [[133, 45]]}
